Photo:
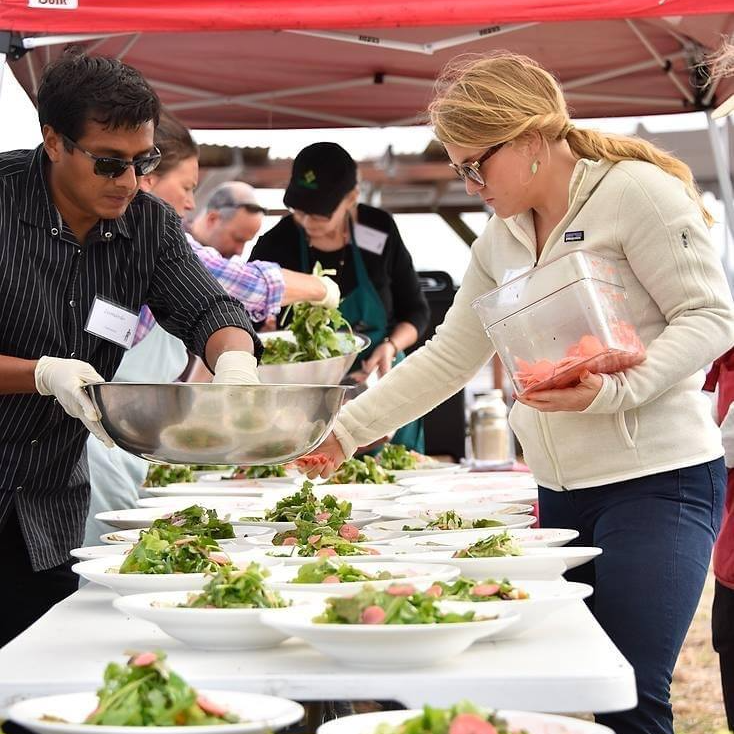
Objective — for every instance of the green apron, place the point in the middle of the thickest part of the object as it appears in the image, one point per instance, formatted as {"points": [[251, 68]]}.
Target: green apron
{"points": [[364, 310]]}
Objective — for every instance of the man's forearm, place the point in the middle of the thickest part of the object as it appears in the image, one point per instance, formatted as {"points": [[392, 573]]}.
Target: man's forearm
{"points": [[228, 339], [301, 287], [17, 375]]}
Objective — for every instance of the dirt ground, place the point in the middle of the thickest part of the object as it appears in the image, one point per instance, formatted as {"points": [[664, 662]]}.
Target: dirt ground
{"points": [[696, 691]]}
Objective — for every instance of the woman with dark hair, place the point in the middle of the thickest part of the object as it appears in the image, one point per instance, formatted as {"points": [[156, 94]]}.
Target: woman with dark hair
{"points": [[362, 244]]}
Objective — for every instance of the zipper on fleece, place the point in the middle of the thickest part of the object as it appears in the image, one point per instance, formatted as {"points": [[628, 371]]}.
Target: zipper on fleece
{"points": [[545, 433]]}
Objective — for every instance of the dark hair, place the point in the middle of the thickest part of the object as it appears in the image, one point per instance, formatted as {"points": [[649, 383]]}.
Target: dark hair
{"points": [[76, 88], [175, 143]]}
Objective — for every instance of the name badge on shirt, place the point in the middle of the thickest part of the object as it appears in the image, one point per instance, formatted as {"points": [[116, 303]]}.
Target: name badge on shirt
{"points": [[112, 322], [370, 239]]}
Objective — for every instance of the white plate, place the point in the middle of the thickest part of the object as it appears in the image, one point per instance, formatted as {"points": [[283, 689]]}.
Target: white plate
{"points": [[259, 714], [364, 492], [219, 478], [408, 513], [98, 570], [470, 480], [457, 500], [384, 647], [547, 598], [133, 536], [231, 488], [232, 504], [288, 555], [422, 575], [205, 629], [374, 537], [358, 519], [528, 537], [534, 563], [517, 720], [505, 496], [434, 469], [456, 539], [143, 517], [88, 552]]}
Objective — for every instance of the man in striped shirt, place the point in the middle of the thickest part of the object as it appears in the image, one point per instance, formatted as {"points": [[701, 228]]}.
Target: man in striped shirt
{"points": [[74, 231]]}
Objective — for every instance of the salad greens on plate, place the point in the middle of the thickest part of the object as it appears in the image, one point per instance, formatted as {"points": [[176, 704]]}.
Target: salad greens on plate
{"points": [[400, 603], [494, 546], [462, 718], [242, 588], [161, 475], [330, 572], [464, 589], [145, 692], [258, 472], [158, 552], [194, 520], [452, 520], [306, 506], [361, 471]]}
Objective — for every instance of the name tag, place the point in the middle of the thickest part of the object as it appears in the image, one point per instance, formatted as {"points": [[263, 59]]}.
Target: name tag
{"points": [[112, 322], [370, 239]]}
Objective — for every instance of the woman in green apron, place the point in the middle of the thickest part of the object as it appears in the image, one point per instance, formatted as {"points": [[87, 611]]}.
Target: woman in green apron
{"points": [[382, 295]]}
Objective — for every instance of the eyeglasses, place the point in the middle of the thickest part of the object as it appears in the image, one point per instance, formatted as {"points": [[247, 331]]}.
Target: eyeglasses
{"points": [[115, 167], [253, 208], [471, 170]]}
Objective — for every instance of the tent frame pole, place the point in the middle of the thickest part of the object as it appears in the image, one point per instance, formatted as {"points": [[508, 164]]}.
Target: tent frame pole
{"points": [[723, 173], [40, 41], [2, 69]]}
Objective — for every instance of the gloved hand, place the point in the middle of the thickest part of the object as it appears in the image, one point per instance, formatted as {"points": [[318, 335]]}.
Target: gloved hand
{"points": [[236, 368], [333, 295], [64, 379]]}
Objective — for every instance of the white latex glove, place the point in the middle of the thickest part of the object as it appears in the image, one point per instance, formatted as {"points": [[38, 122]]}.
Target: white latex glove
{"points": [[236, 368], [333, 295], [64, 379]]}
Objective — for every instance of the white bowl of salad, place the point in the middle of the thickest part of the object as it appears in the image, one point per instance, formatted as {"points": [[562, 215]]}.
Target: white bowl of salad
{"points": [[225, 614], [534, 601], [161, 573], [458, 719], [179, 708], [379, 629], [342, 578]]}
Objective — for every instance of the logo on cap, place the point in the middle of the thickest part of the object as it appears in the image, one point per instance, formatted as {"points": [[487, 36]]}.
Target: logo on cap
{"points": [[308, 180]]}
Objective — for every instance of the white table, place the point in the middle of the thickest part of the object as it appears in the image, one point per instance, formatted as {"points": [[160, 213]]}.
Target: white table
{"points": [[566, 665]]}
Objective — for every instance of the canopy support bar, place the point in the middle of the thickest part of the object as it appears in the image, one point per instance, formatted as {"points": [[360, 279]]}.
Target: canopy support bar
{"points": [[604, 76], [39, 41], [723, 172]]}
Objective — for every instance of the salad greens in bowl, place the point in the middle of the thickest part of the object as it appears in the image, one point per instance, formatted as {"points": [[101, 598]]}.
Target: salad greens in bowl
{"points": [[145, 693]]}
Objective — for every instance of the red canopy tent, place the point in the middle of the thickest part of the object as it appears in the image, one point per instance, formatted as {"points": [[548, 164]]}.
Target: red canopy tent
{"points": [[288, 64]]}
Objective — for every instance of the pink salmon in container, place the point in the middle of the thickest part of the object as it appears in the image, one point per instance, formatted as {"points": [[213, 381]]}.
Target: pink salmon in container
{"points": [[554, 322]]}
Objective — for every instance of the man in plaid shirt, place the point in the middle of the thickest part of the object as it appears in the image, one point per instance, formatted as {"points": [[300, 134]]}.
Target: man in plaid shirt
{"points": [[263, 287]]}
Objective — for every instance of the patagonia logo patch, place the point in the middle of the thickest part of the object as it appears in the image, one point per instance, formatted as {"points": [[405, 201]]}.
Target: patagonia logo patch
{"points": [[573, 236]]}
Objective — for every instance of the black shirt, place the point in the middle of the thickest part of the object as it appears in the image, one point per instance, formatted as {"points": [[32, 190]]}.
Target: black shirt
{"points": [[47, 285], [392, 273]]}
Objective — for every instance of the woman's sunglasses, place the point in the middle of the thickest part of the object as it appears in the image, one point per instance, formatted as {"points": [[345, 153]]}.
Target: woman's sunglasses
{"points": [[471, 170], [115, 167]]}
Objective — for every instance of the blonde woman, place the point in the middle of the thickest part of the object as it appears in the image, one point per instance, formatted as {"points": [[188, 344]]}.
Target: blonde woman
{"points": [[631, 460]]}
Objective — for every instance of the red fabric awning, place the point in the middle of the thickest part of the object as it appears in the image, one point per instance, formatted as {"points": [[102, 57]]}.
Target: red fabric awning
{"points": [[92, 16], [286, 64]]}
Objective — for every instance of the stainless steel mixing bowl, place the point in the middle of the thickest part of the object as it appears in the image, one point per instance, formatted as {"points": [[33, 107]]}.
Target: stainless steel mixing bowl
{"points": [[319, 372], [190, 423]]}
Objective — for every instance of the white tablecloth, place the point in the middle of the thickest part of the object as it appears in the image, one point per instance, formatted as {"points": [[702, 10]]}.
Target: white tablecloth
{"points": [[568, 664]]}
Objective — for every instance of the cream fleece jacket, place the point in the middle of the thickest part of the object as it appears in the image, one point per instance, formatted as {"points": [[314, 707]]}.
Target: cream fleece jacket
{"points": [[648, 419]]}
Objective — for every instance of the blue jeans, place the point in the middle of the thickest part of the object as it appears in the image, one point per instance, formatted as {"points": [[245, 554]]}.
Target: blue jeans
{"points": [[657, 533]]}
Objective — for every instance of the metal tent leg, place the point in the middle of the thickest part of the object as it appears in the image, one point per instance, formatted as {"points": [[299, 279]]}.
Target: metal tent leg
{"points": [[723, 173]]}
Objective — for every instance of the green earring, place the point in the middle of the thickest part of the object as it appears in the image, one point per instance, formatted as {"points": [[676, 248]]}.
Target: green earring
{"points": [[534, 168]]}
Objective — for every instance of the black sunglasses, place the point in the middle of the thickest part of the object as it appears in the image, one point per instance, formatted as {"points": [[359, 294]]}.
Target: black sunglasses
{"points": [[471, 170], [115, 167]]}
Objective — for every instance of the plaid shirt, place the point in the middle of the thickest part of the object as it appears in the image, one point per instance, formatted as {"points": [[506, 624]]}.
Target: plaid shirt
{"points": [[258, 285]]}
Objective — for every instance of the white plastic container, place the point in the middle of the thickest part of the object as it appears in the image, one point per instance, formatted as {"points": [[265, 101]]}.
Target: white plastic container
{"points": [[556, 321]]}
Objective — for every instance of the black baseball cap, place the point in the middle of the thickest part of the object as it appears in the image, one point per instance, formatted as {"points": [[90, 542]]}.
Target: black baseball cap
{"points": [[323, 174]]}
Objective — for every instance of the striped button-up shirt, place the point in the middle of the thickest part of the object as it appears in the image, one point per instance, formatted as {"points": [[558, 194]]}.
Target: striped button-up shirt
{"points": [[47, 285], [258, 285]]}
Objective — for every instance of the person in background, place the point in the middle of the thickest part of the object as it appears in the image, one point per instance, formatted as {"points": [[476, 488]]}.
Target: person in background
{"points": [[721, 378], [156, 356], [83, 250], [230, 218], [382, 297], [631, 460]]}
